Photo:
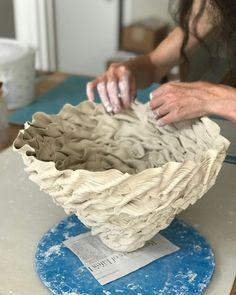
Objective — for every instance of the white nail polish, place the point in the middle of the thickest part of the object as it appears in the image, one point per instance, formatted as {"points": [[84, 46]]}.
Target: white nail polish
{"points": [[151, 96], [155, 116], [109, 108], [160, 123]]}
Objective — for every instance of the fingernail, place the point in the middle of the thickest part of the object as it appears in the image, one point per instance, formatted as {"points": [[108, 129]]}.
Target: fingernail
{"points": [[150, 105], [154, 115], [116, 110], [109, 108], [151, 96], [160, 123]]}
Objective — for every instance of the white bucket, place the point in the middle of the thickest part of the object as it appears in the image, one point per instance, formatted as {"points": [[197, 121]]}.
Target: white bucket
{"points": [[17, 72]]}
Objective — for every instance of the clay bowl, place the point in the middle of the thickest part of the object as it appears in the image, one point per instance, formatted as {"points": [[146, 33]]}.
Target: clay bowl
{"points": [[123, 176]]}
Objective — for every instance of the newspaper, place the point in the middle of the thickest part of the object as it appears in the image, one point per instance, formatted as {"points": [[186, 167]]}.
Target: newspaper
{"points": [[107, 265]]}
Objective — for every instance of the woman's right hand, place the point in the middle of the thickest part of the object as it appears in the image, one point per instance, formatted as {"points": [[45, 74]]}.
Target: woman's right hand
{"points": [[116, 87]]}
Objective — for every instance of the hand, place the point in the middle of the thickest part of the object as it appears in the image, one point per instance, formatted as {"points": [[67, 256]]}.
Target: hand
{"points": [[176, 101], [116, 88]]}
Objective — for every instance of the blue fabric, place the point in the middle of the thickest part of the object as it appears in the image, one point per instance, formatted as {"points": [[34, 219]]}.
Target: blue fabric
{"points": [[72, 90]]}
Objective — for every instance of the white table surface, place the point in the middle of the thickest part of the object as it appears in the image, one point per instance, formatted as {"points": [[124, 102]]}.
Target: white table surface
{"points": [[27, 213]]}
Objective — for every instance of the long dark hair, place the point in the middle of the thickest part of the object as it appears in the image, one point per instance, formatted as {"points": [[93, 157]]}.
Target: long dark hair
{"points": [[222, 14]]}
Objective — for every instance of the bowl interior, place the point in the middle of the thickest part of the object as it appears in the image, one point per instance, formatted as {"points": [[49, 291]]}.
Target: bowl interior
{"points": [[86, 137]]}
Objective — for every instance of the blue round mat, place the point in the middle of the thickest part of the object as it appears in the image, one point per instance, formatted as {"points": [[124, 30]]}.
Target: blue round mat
{"points": [[185, 272]]}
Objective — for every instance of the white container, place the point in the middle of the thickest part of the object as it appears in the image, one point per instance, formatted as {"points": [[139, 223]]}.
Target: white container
{"points": [[17, 72]]}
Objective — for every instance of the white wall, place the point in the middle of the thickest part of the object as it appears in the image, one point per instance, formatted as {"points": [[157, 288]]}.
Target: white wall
{"points": [[135, 10], [86, 34], [34, 25], [87, 30]]}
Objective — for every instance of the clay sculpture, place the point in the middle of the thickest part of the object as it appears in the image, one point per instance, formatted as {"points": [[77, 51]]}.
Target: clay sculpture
{"points": [[122, 175]]}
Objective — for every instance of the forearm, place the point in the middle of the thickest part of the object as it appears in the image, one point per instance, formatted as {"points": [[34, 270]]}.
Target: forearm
{"points": [[143, 70], [117, 86], [154, 66], [222, 102], [168, 53]]}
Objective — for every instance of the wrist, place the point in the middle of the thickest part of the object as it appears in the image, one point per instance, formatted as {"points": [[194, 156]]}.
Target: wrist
{"points": [[223, 103], [142, 69]]}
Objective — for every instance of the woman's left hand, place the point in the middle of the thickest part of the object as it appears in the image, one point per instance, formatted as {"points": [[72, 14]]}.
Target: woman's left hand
{"points": [[177, 101]]}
